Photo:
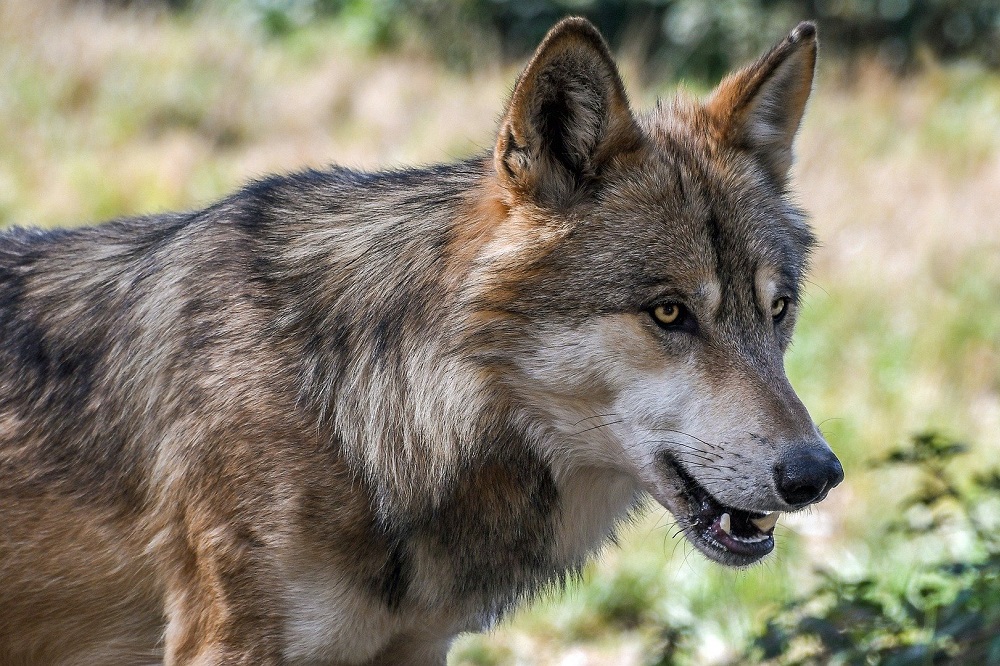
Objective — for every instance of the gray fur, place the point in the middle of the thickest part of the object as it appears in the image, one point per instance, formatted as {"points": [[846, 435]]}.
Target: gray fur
{"points": [[336, 417]]}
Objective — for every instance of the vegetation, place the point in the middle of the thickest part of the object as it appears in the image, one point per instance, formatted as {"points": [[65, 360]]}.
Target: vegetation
{"points": [[945, 612], [681, 37], [107, 112]]}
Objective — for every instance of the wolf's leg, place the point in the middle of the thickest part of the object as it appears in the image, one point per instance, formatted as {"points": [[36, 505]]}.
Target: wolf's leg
{"points": [[220, 606], [414, 651]]}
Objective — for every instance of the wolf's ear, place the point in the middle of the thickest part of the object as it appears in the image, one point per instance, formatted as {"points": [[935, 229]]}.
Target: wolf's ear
{"points": [[567, 117], [759, 107]]}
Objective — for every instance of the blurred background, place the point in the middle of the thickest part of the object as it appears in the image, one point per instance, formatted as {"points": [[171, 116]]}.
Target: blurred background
{"points": [[120, 108]]}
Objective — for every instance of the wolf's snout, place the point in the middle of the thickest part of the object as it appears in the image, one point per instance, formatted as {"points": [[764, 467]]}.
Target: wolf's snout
{"points": [[807, 475]]}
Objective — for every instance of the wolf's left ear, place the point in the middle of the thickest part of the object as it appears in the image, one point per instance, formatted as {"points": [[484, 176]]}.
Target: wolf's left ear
{"points": [[759, 108], [567, 117]]}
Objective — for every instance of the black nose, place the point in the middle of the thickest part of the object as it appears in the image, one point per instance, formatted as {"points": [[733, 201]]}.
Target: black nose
{"points": [[807, 474]]}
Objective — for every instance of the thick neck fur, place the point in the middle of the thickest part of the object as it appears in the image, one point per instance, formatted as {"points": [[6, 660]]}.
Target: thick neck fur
{"points": [[373, 314], [381, 283], [335, 307]]}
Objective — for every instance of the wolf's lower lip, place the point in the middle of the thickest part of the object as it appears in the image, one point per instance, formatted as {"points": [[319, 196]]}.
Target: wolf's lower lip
{"points": [[740, 543], [753, 546]]}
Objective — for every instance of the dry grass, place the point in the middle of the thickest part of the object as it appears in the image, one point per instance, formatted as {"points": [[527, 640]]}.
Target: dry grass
{"points": [[131, 112], [117, 114]]}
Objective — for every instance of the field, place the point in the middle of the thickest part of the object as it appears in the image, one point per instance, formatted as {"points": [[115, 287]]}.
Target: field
{"points": [[112, 113]]}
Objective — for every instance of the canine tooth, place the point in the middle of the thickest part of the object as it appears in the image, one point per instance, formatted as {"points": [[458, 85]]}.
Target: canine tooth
{"points": [[766, 523], [725, 522]]}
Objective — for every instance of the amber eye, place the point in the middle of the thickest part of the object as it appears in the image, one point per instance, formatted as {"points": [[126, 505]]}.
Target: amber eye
{"points": [[779, 307], [669, 314]]}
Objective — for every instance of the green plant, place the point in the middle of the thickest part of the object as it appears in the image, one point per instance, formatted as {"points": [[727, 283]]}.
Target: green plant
{"points": [[674, 37], [948, 611]]}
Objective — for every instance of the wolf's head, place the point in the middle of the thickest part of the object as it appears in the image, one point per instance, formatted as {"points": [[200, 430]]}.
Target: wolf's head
{"points": [[645, 279]]}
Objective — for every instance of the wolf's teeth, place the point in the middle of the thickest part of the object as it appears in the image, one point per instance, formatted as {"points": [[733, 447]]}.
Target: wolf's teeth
{"points": [[725, 522], [766, 523]]}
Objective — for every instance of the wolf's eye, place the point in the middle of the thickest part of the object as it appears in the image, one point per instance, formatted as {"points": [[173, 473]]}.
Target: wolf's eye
{"points": [[779, 307], [669, 314]]}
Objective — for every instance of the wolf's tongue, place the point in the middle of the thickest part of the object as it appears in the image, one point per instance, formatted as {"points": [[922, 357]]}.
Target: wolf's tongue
{"points": [[766, 523]]}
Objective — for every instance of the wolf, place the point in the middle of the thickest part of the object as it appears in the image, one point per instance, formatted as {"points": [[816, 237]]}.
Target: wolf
{"points": [[342, 417]]}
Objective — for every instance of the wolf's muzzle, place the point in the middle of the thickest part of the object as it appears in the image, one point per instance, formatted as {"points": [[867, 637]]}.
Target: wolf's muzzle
{"points": [[807, 473]]}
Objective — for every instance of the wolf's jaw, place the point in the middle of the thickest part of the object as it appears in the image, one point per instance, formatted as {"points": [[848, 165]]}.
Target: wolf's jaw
{"points": [[728, 535]]}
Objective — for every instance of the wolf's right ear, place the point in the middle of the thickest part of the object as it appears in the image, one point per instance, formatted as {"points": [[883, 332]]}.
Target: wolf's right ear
{"points": [[567, 117]]}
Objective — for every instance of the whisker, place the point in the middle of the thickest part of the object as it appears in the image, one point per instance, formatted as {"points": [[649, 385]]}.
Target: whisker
{"points": [[595, 416], [681, 432], [818, 286], [599, 425], [695, 465], [711, 463], [685, 453]]}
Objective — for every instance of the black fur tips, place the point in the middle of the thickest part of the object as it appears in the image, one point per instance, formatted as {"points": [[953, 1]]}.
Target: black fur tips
{"points": [[802, 32]]}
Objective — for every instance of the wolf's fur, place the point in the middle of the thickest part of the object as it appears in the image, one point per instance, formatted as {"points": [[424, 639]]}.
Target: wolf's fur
{"points": [[340, 417]]}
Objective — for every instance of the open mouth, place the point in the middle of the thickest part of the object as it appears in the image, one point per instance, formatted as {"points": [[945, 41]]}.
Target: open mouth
{"points": [[725, 534]]}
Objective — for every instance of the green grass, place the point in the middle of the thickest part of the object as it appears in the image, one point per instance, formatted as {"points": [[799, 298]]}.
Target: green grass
{"points": [[126, 113]]}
